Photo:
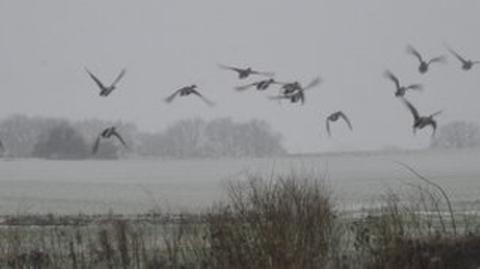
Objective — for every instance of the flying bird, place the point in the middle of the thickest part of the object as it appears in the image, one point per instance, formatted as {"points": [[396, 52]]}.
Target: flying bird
{"points": [[335, 117], [291, 87], [246, 72], [401, 90], [294, 91], [424, 64], [466, 64], [106, 90], [259, 85], [106, 134], [420, 122], [187, 90]]}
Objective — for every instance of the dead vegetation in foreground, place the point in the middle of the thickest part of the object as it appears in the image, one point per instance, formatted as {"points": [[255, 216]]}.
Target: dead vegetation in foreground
{"points": [[288, 222]]}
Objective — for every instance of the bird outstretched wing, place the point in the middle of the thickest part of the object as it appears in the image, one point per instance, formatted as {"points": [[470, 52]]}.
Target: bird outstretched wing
{"points": [[119, 77], [206, 100], [267, 74], [313, 83], [433, 123], [411, 50], [412, 109], [417, 87], [97, 81], [246, 87], [170, 98], [458, 56], [439, 59], [230, 68], [388, 74], [119, 137], [346, 119], [327, 124], [96, 144], [436, 113]]}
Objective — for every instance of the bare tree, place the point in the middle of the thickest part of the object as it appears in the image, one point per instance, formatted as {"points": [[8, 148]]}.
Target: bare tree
{"points": [[61, 142], [184, 139], [20, 133]]}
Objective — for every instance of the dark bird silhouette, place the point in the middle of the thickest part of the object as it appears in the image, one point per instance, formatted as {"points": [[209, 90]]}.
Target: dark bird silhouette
{"points": [[294, 91], [106, 134], [246, 72], [187, 90], [335, 117], [420, 122], [106, 90], [259, 85], [291, 87], [424, 64], [401, 90], [466, 64]]}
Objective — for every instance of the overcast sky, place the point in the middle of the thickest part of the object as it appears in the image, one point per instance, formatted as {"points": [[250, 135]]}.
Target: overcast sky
{"points": [[44, 46]]}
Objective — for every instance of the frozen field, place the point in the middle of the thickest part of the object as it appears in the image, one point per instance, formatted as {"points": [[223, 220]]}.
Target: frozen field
{"points": [[136, 186]]}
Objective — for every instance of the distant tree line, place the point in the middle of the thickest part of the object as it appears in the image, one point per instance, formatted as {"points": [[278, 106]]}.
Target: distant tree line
{"points": [[457, 135], [217, 138], [55, 138]]}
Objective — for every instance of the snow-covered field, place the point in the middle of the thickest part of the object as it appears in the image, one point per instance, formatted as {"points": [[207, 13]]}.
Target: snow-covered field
{"points": [[136, 186]]}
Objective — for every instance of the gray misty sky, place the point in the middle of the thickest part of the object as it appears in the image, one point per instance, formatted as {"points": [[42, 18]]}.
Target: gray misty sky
{"points": [[44, 46]]}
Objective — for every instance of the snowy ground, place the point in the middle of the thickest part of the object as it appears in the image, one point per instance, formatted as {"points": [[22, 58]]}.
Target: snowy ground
{"points": [[136, 186]]}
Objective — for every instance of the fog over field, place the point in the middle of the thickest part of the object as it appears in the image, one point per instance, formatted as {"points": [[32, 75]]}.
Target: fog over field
{"points": [[259, 134], [140, 186], [165, 45], [55, 55]]}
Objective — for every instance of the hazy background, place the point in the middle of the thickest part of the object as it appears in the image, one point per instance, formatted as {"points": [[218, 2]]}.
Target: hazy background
{"points": [[44, 46]]}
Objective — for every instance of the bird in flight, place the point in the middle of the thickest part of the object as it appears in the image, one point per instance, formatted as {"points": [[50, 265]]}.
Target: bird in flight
{"points": [[294, 91], [466, 64], [259, 85], [187, 90], [424, 64], [246, 72], [106, 90], [420, 122], [106, 134], [335, 117], [291, 87], [401, 90]]}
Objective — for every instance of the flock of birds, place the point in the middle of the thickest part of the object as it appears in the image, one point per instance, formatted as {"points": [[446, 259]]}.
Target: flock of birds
{"points": [[295, 92]]}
